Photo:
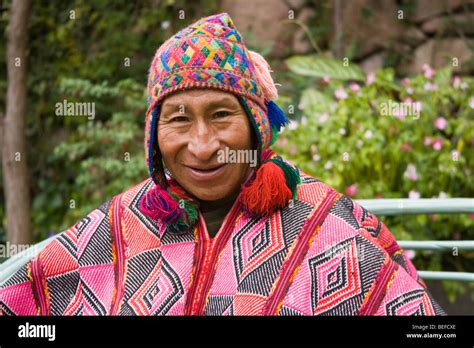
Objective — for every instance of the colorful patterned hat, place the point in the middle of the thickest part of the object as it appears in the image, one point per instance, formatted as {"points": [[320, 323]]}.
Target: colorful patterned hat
{"points": [[210, 53]]}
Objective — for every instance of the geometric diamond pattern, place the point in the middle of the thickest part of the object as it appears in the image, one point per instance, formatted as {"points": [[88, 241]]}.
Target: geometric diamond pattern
{"points": [[335, 277], [409, 303]]}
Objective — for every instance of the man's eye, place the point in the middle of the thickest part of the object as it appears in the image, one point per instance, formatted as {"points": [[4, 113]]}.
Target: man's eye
{"points": [[180, 119], [220, 114]]}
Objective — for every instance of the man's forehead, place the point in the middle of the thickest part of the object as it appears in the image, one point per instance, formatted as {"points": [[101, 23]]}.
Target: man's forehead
{"points": [[210, 97]]}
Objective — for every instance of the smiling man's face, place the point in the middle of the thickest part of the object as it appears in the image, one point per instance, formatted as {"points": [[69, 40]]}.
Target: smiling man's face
{"points": [[193, 126]]}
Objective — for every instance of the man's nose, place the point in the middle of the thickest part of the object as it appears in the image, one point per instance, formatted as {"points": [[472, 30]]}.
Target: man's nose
{"points": [[203, 143]]}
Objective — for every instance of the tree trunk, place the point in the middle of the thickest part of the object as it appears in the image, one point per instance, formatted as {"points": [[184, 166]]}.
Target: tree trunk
{"points": [[14, 160]]}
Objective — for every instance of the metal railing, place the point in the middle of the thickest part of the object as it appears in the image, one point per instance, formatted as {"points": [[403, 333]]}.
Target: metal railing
{"points": [[390, 207]]}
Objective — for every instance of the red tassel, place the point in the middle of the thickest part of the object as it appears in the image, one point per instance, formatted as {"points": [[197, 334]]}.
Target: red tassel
{"points": [[268, 192]]}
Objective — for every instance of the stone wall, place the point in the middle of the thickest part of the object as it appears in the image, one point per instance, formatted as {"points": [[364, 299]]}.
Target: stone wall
{"points": [[374, 33]]}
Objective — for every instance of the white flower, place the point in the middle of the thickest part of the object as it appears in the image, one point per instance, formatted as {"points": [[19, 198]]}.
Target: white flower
{"points": [[165, 25], [442, 195], [323, 118], [370, 78], [342, 131], [417, 106], [430, 86], [368, 134], [410, 172], [316, 158], [410, 254], [292, 125], [413, 194], [328, 165], [471, 102], [340, 93]]}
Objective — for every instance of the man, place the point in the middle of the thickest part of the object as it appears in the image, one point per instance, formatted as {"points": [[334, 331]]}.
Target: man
{"points": [[223, 226]]}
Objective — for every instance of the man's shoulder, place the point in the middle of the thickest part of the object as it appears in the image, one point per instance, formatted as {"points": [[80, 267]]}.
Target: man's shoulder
{"points": [[313, 191], [132, 195], [343, 211]]}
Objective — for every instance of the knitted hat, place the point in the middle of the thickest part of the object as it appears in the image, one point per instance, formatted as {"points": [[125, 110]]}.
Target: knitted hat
{"points": [[210, 53]]}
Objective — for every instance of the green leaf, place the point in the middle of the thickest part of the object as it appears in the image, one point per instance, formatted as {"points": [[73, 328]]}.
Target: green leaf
{"points": [[315, 102], [318, 66]]}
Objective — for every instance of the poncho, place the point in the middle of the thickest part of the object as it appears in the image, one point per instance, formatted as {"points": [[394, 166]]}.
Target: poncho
{"points": [[323, 254]]}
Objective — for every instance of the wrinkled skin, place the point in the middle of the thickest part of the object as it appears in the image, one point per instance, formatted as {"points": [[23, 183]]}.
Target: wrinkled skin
{"points": [[193, 126]]}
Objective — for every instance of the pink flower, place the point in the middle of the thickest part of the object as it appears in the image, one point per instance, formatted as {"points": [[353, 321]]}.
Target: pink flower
{"points": [[456, 81], [340, 93], [471, 216], [354, 87], [406, 147], [405, 82], [352, 190], [440, 123], [430, 86], [409, 90], [379, 195], [370, 78], [471, 102], [427, 140], [323, 118], [434, 217], [399, 113], [410, 172], [413, 194], [418, 106], [326, 79], [428, 72], [437, 145], [293, 150], [282, 142]]}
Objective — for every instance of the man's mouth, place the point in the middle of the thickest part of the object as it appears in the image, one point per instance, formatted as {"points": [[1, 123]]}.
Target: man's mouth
{"points": [[201, 173]]}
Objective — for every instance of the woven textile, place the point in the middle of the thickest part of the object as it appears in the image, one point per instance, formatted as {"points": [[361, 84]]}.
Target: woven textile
{"points": [[322, 255]]}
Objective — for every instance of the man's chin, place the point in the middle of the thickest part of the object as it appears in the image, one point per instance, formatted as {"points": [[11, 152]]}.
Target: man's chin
{"points": [[214, 195]]}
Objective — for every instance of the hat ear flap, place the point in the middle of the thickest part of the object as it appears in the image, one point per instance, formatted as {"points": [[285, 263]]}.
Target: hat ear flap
{"points": [[263, 76]]}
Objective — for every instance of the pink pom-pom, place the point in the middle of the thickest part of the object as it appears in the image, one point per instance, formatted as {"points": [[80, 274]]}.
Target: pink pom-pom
{"points": [[264, 78], [158, 204]]}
